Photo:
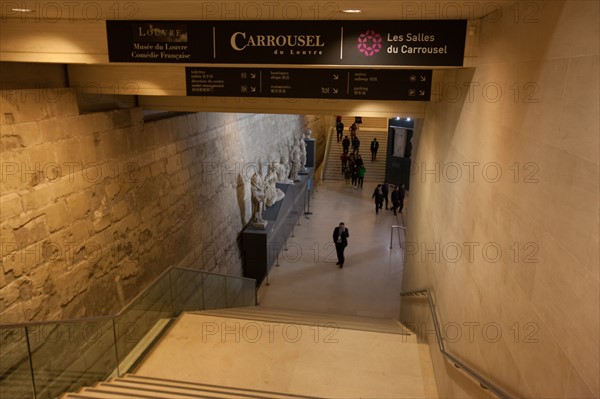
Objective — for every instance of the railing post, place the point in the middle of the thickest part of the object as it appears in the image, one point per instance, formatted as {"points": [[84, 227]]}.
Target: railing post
{"points": [[203, 293], [225, 289], [30, 363], [114, 324]]}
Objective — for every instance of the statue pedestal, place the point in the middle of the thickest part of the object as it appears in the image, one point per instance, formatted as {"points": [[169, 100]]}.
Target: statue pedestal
{"points": [[260, 247], [310, 152], [260, 225]]}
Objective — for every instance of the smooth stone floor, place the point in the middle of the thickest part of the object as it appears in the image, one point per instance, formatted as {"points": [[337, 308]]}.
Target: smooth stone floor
{"points": [[308, 278]]}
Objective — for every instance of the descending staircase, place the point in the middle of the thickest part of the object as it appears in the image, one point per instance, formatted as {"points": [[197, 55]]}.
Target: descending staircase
{"points": [[370, 128], [273, 315], [215, 354], [136, 386]]}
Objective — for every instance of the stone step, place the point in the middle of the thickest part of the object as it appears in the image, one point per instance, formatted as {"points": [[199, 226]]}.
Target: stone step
{"points": [[289, 316], [134, 386]]}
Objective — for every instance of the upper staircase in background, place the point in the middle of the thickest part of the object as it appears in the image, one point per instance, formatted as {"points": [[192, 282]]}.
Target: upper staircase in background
{"points": [[370, 128]]}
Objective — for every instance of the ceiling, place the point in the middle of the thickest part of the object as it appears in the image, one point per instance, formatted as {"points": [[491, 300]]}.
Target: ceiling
{"points": [[249, 10]]}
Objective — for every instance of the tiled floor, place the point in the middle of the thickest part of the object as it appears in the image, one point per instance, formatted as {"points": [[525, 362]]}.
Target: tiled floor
{"points": [[308, 278]]}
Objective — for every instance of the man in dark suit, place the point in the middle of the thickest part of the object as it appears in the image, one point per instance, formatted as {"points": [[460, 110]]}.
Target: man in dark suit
{"points": [[340, 238]]}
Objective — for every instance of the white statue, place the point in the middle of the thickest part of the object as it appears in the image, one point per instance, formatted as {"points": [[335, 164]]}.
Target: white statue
{"points": [[296, 162], [272, 193], [302, 145], [258, 199], [282, 172]]}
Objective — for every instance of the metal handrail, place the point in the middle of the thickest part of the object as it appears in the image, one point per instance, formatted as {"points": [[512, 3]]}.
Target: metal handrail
{"points": [[27, 327], [326, 156], [483, 382], [123, 309]]}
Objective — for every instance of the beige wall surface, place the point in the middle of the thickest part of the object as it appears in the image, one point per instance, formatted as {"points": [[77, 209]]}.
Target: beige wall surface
{"points": [[95, 205], [503, 209]]}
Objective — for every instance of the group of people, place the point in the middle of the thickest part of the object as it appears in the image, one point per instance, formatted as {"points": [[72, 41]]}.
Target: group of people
{"points": [[353, 169], [381, 194]]}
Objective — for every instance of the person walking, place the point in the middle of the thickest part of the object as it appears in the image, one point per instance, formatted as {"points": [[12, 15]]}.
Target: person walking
{"points": [[354, 175], [347, 174], [378, 195], [361, 175], [344, 159], [355, 144], [374, 148], [395, 199], [398, 199], [385, 188], [353, 129], [339, 128], [346, 144], [358, 161], [340, 238], [401, 198]]}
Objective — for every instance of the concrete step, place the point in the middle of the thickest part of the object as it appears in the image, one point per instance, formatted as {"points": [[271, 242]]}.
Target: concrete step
{"points": [[278, 315], [134, 386]]}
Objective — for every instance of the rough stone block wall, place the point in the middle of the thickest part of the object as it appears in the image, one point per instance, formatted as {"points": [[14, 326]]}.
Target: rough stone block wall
{"points": [[95, 206]]}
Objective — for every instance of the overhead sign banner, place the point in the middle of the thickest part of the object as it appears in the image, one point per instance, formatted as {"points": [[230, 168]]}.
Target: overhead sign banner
{"points": [[353, 84], [344, 43]]}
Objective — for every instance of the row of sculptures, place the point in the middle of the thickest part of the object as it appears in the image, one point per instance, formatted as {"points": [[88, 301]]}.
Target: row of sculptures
{"points": [[264, 191]]}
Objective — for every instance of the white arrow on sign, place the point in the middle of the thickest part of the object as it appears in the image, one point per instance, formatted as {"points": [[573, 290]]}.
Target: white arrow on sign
{"points": [[335, 91], [253, 89], [423, 78], [336, 76], [421, 92], [252, 75]]}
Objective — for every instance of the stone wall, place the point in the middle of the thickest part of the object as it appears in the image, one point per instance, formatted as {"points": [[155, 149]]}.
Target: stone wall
{"points": [[503, 207], [95, 206]]}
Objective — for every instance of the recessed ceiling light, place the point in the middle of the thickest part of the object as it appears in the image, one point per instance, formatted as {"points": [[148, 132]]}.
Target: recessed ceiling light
{"points": [[397, 118], [408, 119], [352, 11]]}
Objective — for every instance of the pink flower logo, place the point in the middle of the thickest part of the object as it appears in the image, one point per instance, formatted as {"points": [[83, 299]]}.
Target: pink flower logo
{"points": [[369, 43]]}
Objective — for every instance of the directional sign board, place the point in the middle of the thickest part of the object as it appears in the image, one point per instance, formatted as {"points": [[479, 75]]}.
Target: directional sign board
{"points": [[350, 84], [415, 44]]}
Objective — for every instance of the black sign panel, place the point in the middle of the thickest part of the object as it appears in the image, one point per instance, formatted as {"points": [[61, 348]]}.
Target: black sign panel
{"points": [[158, 41], [424, 43], [365, 84], [276, 42], [401, 43]]}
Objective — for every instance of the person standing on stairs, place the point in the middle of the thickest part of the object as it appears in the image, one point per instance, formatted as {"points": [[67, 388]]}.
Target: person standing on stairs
{"points": [[346, 144], [344, 159], [339, 128], [374, 148], [355, 144]]}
